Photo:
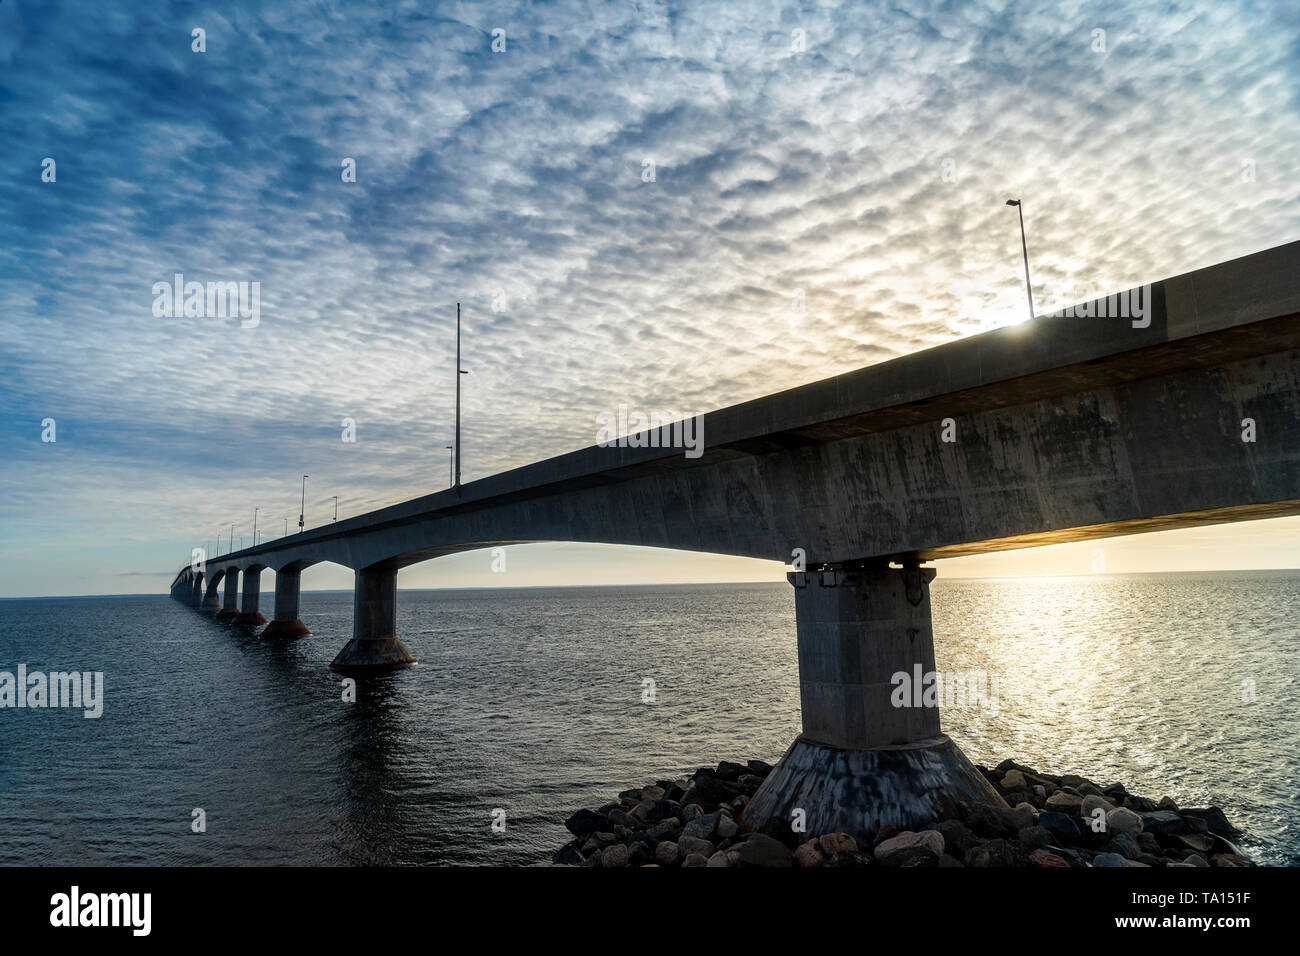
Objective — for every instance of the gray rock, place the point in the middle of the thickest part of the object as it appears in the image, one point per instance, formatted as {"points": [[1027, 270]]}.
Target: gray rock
{"points": [[809, 854], [1095, 801], [1021, 816], [1124, 844], [762, 850], [1199, 842], [707, 827], [1109, 859], [1123, 820], [695, 859], [657, 830], [909, 845], [1162, 821], [616, 855], [1013, 780], [1034, 838], [726, 827], [723, 858], [668, 854], [1063, 802], [1062, 825], [832, 843], [690, 844]]}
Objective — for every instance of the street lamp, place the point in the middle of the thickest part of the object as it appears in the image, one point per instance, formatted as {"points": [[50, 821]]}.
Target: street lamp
{"points": [[286, 526], [451, 464], [336, 507], [232, 536], [302, 509], [1024, 247], [459, 373], [255, 511]]}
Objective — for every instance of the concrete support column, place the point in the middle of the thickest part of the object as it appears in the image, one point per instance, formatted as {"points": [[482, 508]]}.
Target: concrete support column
{"points": [[857, 629], [374, 644], [230, 604], [195, 596], [248, 612], [288, 584], [211, 602], [869, 754]]}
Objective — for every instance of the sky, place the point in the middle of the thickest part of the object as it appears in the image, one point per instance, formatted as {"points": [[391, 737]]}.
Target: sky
{"points": [[628, 199]]}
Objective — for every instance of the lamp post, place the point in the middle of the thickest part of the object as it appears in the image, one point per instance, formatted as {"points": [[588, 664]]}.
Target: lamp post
{"points": [[451, 465], [255, 511], [302, 508], [459, 372], [336, 507], [286, 526], [1024, 247], [232, 537]]}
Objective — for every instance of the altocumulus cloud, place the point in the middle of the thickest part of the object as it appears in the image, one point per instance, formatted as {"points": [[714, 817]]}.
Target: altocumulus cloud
{"points": [[856, 157]]}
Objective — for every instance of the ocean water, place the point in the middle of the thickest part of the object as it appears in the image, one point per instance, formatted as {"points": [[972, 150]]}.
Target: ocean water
{"points": [[530, 703]]}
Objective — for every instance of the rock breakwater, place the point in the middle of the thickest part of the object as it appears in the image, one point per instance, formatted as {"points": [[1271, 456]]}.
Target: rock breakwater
{"points": [[1050, 820]]}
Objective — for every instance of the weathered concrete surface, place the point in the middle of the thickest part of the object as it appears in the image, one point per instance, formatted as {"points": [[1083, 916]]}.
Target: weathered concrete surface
{"points": [[858, 791], [857, 629], [374, 644]]}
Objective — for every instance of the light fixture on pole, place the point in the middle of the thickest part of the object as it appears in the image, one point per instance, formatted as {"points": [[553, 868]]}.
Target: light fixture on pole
{"points": [[336, 507], [451, 465], [1024, 247], [302, 509], [459, 372]]}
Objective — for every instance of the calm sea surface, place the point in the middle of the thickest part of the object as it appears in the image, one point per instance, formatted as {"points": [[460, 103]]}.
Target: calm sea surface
{"points": [[530, 701]]}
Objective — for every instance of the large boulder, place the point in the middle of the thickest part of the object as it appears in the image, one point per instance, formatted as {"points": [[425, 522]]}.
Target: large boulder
{"points": [[1123, 820], [616, 855], [584, 822], [909, 848], [763, 850]]}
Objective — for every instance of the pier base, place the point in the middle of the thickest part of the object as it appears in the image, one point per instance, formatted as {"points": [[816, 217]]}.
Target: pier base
{"points": [[388, 654], [374, 645], [871, 752], [288, 587], [278, 629], [859, 791]]}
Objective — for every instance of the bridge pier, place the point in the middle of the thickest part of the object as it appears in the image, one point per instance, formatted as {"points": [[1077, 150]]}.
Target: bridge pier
{"points": [[211, 602], [374, 645], [230, 605], [248, 612], [195, 596], [864, 759], [288, 586]]}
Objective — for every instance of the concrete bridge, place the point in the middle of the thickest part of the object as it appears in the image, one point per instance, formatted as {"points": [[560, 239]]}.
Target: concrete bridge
{"points": [[1181, 410]]}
